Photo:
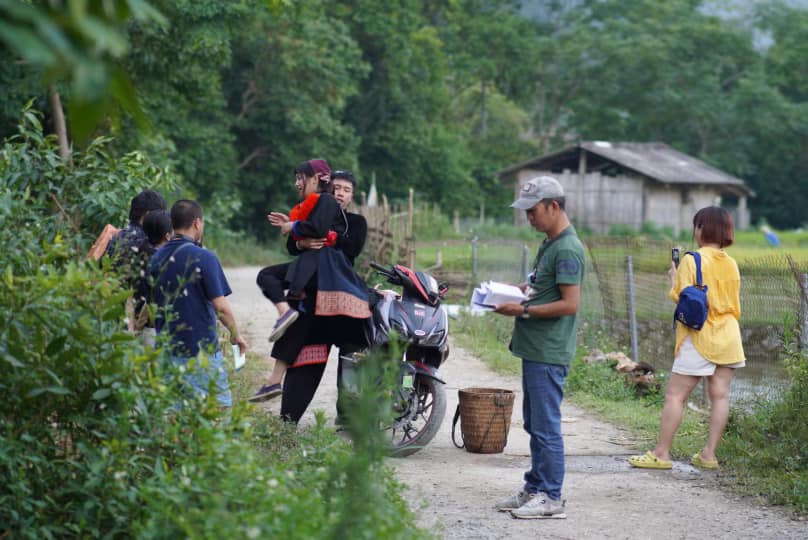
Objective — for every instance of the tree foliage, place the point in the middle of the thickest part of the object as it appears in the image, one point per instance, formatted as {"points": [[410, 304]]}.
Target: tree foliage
{"points": [[435, 96], [77, 43], [98, 437]]}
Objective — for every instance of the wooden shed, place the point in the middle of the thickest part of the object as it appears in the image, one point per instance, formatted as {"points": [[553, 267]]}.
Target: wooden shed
{"points": [[630, 184]]}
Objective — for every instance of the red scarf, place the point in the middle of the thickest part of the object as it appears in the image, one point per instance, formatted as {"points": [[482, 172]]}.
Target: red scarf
{"points": [[302, 210]]}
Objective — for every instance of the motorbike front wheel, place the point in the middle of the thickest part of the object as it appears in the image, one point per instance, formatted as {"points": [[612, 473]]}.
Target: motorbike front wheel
{"points": [[419, 420]]}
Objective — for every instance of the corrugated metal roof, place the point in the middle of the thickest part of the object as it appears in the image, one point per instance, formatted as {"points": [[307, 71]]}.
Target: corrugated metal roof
{"points": [[657, 161]]}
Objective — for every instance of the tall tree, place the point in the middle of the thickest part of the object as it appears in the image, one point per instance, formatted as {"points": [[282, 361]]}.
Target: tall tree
{"points": [[80, 44], [489, 49], [292, 74], [774, 128], [178, 66], [400, 113]]}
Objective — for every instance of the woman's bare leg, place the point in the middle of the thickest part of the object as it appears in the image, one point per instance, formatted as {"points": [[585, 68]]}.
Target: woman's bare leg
{"points": [[676, 395], [282, 307], [278, 371], [718, 390]]}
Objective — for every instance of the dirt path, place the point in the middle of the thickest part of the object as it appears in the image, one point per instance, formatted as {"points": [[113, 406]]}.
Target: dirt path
{"points": [[452, 490]]}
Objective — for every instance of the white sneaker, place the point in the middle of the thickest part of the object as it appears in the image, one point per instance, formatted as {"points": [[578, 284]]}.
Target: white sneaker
{"points": [[540, 506], [514, 501]]}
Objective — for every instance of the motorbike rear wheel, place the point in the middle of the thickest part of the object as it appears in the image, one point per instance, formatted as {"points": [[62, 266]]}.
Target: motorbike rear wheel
{"points": [[420, 421]]}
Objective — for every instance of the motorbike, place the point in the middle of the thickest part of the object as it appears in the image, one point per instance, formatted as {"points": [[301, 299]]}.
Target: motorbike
{"points": [[420, 323]]}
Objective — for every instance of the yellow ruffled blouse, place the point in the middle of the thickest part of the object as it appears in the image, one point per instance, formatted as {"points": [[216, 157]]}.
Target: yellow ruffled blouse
{"points": [[719, 341]]}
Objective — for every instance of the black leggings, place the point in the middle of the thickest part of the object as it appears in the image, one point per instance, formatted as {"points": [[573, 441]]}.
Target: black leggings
{"points": [[301, 383], [299, 388], [272, 282]]}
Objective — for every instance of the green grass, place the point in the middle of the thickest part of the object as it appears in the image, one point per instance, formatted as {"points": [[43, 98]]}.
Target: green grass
{"points": [[595, 387], [763, 453]]}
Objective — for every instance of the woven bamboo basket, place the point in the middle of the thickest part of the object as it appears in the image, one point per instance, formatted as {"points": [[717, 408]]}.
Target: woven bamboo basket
{"points": [[485, 418]]}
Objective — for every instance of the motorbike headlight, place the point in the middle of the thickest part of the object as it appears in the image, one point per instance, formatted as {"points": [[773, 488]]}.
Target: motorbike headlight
{"points": [[399, 327], [434, 338]]}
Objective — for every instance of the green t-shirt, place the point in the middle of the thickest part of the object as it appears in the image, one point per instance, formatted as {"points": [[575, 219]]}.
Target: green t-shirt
{"points": [[560, 261]]}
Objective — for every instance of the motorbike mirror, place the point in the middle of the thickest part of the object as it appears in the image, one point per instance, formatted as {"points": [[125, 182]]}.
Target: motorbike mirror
{"points": [[443, 288]]}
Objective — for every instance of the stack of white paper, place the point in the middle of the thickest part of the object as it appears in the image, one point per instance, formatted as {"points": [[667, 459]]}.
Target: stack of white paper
{"points": [[491, 293]]}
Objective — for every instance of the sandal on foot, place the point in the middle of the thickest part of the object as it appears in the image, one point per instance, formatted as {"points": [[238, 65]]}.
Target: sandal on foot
{"points": [[649, 461], [702, 463]]}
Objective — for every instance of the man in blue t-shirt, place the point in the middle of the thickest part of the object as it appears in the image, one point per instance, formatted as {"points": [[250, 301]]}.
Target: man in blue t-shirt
{"points": [[190, 290]]}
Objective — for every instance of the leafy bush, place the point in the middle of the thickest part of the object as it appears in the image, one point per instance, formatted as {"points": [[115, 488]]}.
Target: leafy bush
{"points": [[96, 438], [767, 442], [75, 199]]}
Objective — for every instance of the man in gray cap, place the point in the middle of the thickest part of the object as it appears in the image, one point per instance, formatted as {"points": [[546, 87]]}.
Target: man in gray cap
{"points": [[544, 337]]}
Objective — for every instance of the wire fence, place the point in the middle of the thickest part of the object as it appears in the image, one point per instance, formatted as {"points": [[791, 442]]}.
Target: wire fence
{"points": [[625, 294]]}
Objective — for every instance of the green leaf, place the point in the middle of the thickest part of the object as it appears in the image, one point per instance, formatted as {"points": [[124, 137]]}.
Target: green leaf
{"points": [[27, 44], [143, 11], [59, 390], [101, 393], [104, 36], [13, 361], [56, 345]]}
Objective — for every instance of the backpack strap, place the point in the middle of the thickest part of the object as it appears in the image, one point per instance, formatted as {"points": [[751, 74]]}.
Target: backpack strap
{"points": [[697, 257]]}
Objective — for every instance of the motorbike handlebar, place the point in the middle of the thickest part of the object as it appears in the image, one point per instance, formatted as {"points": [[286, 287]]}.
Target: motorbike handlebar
{"points": [[387, 272]]}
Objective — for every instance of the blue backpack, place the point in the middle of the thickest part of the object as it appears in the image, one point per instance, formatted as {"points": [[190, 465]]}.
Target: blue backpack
{"points": [[691, 310]]}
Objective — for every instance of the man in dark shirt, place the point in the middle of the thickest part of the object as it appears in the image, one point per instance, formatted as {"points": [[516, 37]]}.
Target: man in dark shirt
{"points": [[126, 252], [190, 290], [125, 247]]}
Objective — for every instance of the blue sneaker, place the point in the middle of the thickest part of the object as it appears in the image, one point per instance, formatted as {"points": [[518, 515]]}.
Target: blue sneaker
{"points": [[266, 392], [283, 322]]}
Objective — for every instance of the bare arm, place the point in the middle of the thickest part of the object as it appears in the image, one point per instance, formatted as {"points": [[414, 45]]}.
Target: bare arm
{"points": [[225, 313]]}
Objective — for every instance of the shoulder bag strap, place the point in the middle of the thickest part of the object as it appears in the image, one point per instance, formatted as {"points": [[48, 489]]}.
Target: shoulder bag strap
{"points": [[697, 257]]}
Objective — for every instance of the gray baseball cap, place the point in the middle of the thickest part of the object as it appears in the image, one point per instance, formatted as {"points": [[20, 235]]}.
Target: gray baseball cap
{"points": [[537, 189]]}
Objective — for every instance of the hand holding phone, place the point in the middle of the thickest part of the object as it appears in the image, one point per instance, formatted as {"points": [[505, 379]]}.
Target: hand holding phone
{"points": [[675, 257]]}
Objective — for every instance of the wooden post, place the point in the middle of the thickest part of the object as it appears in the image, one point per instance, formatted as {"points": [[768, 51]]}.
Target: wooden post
{"points": [[579, 194], [59, 124], [474, 255], [456, 222], [632, 312], [482, 213], [803, 312]]}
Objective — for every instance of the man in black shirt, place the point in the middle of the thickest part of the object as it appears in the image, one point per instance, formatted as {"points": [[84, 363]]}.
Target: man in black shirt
{"points": [[126, 250]]}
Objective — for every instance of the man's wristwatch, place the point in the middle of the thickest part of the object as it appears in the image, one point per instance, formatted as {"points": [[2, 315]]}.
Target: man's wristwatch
{"points": [[525, 314]]}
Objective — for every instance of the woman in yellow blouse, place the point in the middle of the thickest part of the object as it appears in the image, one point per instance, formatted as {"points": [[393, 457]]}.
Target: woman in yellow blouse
{"points": [[713, 352]]}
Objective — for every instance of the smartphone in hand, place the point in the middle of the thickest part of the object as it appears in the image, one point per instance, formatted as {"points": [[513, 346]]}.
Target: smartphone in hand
{"points": [[675, 257]]}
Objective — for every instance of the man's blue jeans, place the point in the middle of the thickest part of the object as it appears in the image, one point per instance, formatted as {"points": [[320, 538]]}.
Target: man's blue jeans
{"points": [[199, 378], [543, 389]]}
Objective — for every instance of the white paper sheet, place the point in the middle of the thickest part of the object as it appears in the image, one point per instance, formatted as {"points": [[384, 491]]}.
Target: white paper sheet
{"points": [[492, 293]]}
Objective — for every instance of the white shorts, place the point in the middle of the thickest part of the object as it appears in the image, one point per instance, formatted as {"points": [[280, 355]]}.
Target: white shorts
{"points": [[690, 362]]}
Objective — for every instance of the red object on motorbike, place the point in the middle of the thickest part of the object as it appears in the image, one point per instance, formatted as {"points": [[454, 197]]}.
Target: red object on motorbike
{"points": [[410, 280], [421, 284]]}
